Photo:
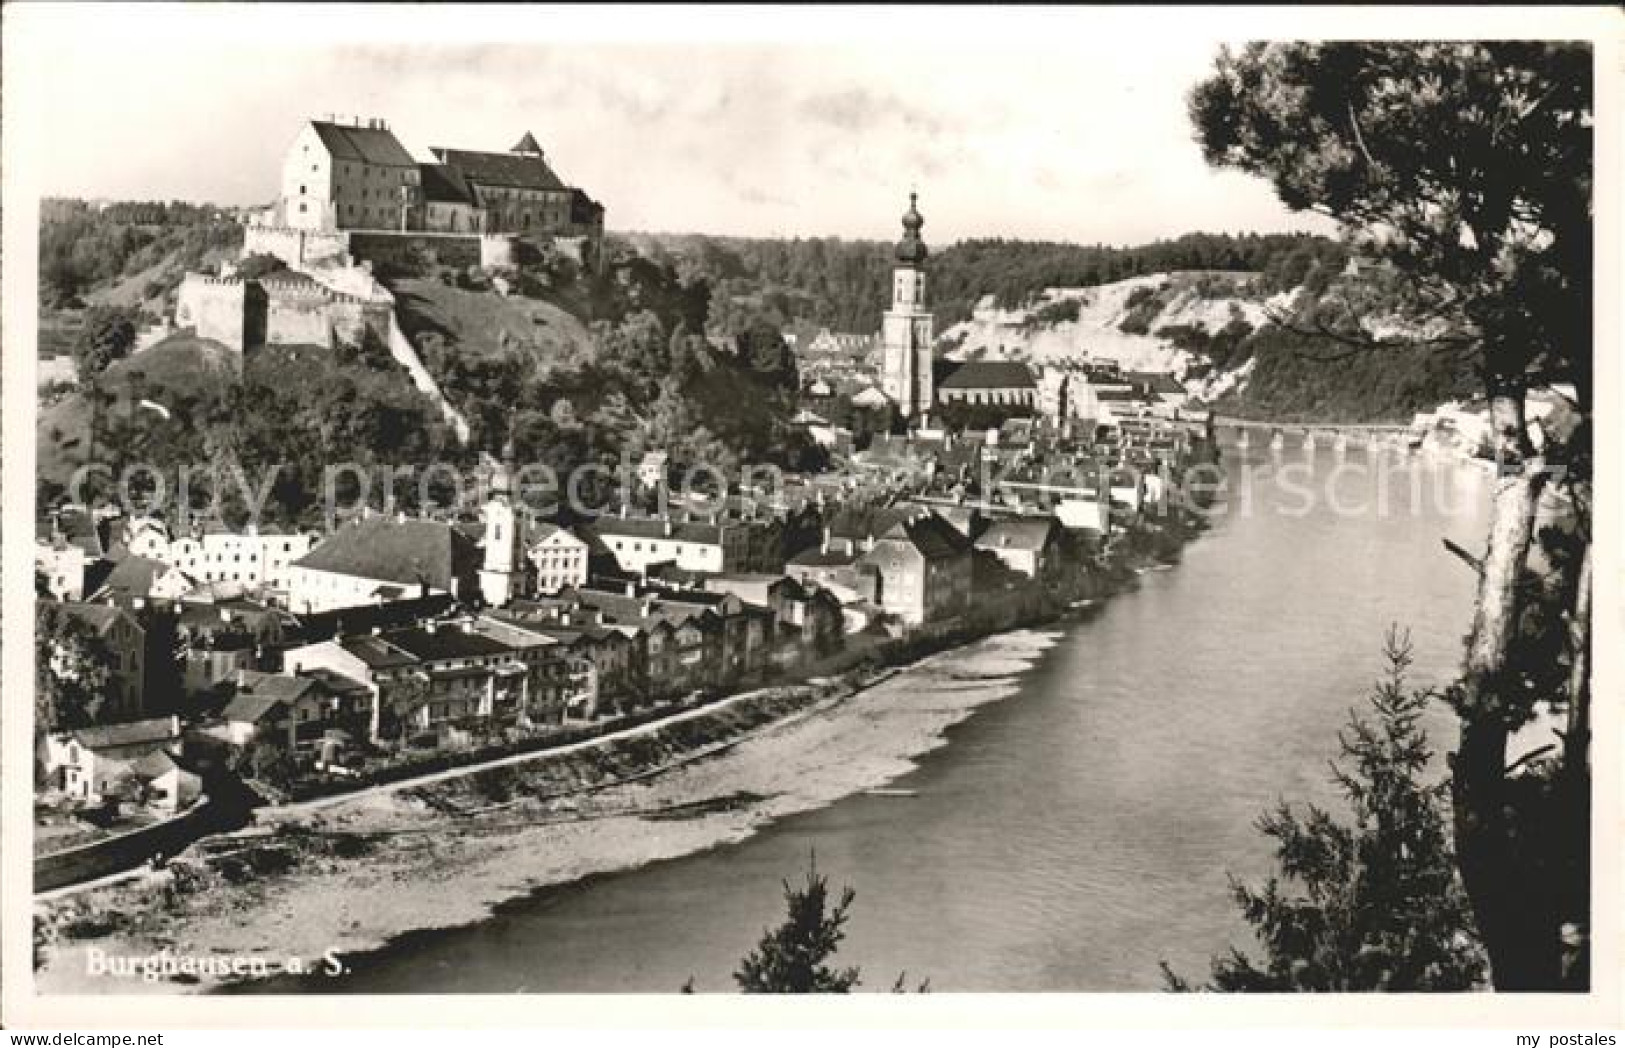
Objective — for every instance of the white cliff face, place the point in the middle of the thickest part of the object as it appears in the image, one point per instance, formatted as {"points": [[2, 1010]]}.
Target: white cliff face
{"points": [[1216, 384], [1096, 334]]}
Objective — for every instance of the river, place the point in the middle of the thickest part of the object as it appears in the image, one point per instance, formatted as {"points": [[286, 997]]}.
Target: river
{"points": [[1075, 833]]}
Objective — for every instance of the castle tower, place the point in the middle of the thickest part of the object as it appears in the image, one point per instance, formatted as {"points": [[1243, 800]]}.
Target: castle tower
{"points": [[905, 329], [500, 576], [527, 146]]}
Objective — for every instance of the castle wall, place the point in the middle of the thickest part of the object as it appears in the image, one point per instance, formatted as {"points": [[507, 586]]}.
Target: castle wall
{"points": [[297, 321], [303, 312], [296, 247], [496, 252], [408, 249], [352, 321], [214, 308]]}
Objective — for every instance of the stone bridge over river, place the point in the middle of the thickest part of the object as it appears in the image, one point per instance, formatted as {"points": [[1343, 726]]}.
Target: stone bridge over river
{"points": [[1311, 434]]}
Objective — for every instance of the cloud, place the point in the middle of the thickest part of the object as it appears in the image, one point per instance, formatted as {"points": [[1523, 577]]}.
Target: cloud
{"points": [[860, 109]]}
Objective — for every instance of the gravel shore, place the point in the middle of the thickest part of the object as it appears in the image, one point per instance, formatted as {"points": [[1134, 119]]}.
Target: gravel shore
{"points": [[414, 863]]}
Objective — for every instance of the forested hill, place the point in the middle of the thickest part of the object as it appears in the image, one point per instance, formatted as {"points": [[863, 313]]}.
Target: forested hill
{"points": [[128, 253], [1194, 286], [843, 284]]}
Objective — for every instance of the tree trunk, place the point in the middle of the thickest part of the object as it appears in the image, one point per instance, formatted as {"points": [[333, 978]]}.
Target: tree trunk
{"points": [[1575, 796], [1519, 934]]}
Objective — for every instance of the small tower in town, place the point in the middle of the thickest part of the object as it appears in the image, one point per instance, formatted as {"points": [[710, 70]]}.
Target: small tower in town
{"points": [[906, 327], [499, 578]]}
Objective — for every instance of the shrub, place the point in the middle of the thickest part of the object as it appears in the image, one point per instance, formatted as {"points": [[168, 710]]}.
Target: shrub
{"points": [[1061, 312]]}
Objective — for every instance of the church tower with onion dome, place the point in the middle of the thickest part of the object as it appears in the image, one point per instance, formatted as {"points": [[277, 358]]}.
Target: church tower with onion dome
{"points": [[905, 329]]}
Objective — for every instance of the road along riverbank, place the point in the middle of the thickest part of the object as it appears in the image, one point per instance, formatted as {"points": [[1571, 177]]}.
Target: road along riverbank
{"points": [[356, 873]]}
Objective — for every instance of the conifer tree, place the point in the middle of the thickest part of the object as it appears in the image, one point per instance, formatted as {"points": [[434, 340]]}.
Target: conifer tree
{"points": [[1372, 903]]}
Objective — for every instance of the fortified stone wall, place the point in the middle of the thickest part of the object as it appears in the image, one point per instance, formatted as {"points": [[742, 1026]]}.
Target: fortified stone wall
{"points": [[413, 249], [305, 312], [297, 247], [496, 252], [351, 321], [297, 321], [214, 308]]}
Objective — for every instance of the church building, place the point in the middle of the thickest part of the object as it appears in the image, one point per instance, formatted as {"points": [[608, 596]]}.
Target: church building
{"points": [[910, 377], [905, 329]]}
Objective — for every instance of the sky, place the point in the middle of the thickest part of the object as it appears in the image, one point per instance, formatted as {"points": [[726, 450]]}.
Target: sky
{"points": [[1058, 125]]}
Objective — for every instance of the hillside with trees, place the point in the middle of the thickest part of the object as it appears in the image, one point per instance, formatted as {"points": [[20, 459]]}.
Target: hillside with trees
{"points": [[130, 254], [844, 284], [576, 366], [192, 403]]}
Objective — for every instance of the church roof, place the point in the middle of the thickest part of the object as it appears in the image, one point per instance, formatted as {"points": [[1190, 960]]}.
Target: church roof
{"points": [[397, 551], [508, 170], [989, 374]]}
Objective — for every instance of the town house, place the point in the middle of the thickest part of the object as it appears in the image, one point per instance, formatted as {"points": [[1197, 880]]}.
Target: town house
{"points": [[1026, 545], [558, 556], [710, 546], [924, 565]]}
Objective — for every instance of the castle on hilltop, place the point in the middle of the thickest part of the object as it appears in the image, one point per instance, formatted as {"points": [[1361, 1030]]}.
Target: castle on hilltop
{"points": [[356, 175]]}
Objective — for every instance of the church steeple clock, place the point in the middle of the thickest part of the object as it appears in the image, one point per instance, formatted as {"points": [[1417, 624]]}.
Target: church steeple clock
{"points": [[906, 328]]}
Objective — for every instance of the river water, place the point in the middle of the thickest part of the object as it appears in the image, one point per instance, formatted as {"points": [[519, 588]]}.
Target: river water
{"points": [[1075, 833]]}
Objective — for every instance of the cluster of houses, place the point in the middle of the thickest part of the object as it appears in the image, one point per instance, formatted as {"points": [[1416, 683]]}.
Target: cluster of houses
{"points": [[394, 633], [1081, 393]]}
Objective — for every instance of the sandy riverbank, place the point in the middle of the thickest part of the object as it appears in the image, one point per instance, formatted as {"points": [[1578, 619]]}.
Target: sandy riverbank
{"points": [[424, 868]]}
